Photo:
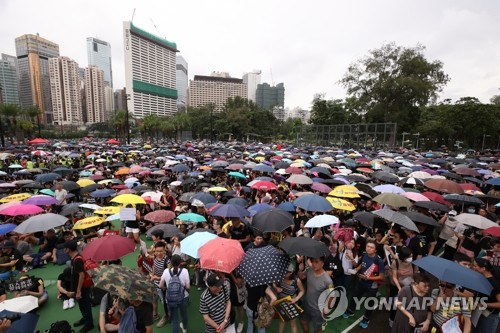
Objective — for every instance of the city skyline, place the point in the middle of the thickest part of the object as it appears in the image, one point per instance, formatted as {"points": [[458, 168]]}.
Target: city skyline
{"points": [[307, 47]]}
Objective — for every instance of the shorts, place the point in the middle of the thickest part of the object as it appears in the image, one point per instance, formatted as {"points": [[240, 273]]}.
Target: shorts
{"points": [[314, 317], [132, 230]]}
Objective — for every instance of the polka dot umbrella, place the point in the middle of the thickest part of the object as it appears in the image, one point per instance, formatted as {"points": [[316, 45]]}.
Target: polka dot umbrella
{"points": [[263, 265]]}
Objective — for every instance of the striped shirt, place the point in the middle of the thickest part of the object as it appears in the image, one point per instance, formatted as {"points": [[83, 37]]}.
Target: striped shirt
{"points": [[214, 306], [159, 266], [449, 308]]}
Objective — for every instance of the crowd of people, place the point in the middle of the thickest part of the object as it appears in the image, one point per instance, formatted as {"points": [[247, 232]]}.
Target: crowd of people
{"points": [[369, 256]]}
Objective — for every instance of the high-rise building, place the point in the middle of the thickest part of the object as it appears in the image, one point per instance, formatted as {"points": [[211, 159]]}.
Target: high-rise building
{"points": [[94, 94], [181, 81], [150, 72], [214, 89], [33, 53], [109, 102], [65, 87], [99, 54], [9, 88], [120, 99], [268, 97], [252, 79]]}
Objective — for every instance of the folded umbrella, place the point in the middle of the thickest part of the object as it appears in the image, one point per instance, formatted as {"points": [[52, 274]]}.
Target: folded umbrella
{"points": [[272, 220], [193, 242], [263, 265], [304, 246], [108, 248]]}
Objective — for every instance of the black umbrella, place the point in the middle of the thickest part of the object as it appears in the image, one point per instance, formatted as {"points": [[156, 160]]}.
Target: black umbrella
{"points": [[47, 177], [204, 197], [89, 188], [432, 205], [452, 175], [366, 189], [69, 185], [142, 188], [33, 185], [238, 201], [169, 230], [462, 199], [385, 177], [370, 220], [272, 220], [70, 208], [479, 182], [186, 197], [304, 246], [421, 218], [489, 199], [181, 168], [263, 265]]}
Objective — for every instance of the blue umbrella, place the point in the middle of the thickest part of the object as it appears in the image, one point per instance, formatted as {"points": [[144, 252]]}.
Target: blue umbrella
{"points": [[313, 203], [493, 181], [257, 208], [191, 217], [193, 242], [181, 168], [204, 197], [237, 175], [264, 168], [25, 324], [451, 272], [47, 177], [102, 193], [63, 170], [287, 206], [230, 210], [238, 201], [6, 228]]}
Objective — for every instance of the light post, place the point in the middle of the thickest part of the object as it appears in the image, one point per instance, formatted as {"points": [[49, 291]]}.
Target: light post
{"points": [[127, 124], [418, 137], [484, 139], [403, 143]]}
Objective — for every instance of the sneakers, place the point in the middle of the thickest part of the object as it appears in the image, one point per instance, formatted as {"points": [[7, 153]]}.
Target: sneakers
{"points": [[163, 321], [71, 303], [364, 324], [391, 322], [239, 329], [156, 317], [347, 314], [184, 330], [66, 304]]}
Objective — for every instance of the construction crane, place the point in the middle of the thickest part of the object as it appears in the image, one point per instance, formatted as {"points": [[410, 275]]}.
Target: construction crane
{"points": [[272, 79], [159, 33], [133, 14]]}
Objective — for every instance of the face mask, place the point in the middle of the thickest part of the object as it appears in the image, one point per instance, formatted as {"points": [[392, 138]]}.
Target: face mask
{"points": [[410, 259], [471, 210]]}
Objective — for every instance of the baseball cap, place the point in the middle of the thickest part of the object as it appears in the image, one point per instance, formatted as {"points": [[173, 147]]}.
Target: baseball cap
{"points": [[7, 245], [452, 213], [214, 280]]}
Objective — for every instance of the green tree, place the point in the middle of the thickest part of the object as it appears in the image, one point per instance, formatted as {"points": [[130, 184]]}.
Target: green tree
{"points": [[33, 113], [119, 121], [392, 83], [10, 112]]}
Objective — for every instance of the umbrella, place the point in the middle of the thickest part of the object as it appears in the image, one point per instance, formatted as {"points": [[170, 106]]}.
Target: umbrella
{"points": [[443, 185], [196, 230], [388, 188], [393, 200], [257, 208], [204, 197], [42, 222], [272, 220], [287, 206], [368, 219], [125, 282], [181, 168], [397, 218], [169, 230], [319, 221], [102, 193], [47, 177], [432, 205], [451, 272], [264, 168], [90, 206], [40, 200], [193, 242], [191, 217], [69, 185], [160, 216], [313, 203], [304, 246], [494, 231], [221, 254], [70, 208], [462, 199], [89, 188], [415, 196], [6, 228], [21, 210], [263, 265], [109, 210], [411, 181], [89, 222], [122, 171], [299, 179], [237, 174], [493, 181], [16, 197], [320, 187], [421, 218], [345, 191], [22, 304], [385, 177], [341, 204], [129, 199], [420, 175], [467, 172], [230, 210], [217, 189], [436, 197], [85, 182], [475, 220], [47, 191], [25, 324], [108, 248], [264, 185]]}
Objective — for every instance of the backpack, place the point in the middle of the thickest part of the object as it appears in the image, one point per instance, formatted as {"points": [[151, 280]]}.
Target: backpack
{"points": [[128, 321], [175, 289], [88, 264], [265, 313], [60, 327]]}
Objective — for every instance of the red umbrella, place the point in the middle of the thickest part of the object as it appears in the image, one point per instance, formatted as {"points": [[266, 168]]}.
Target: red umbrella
{"points": [[221, 254], [38, 141], [469, 187], [467, 172], [436, 197], [160, 216], [444, 185], [494, 231], [112, 142], [264, 185], [294, 170], [108, 248]]}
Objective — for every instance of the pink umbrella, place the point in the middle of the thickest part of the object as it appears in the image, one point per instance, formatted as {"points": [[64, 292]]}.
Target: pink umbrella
{"points": [[9, 204], [21, 210], [135, 169], [221, 254], [7, 185], [264, 185], [413, 196], [127, 191], [160, 216], [321, 187]]}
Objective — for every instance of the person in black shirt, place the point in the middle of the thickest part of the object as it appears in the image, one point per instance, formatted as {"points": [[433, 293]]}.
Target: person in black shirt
{"points": [[333, 263], [44, 251], [490, 318], [258, 241], [239, 231], [12, 261]]}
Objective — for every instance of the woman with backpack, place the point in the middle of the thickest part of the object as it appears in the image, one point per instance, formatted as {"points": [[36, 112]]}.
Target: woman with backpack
{"points": [[177, 284]]}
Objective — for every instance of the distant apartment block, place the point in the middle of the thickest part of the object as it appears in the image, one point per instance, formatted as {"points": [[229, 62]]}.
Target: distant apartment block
{"points": [[9, 88], [268, 97]]}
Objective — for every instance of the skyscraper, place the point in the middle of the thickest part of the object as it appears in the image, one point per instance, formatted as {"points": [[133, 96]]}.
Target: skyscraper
{"points": [[268, 97], [8, 80], [99, 54], [94, 93], [33, 54], [214, 89], [252, 79], [65, 86], [150, 72], [181, 81]]}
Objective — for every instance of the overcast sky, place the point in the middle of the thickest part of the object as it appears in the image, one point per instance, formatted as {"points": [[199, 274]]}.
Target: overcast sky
{"points": [[306, 45]]}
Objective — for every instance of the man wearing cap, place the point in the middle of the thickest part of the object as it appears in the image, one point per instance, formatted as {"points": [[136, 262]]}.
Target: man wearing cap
{"points": [[215, 305], [12, 261], [449, 224]]}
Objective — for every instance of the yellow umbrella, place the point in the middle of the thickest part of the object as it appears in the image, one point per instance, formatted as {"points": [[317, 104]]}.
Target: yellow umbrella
{"points": [[85, 182], [89, 222], [341, 204], [147, 146], [122, 171], [217, 189], [344, 191], [109, 210], [19, 197], [259, 158], [299, 160], [129, 199]]}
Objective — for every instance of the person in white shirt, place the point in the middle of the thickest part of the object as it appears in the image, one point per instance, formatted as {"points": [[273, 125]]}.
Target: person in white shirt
{"points": [[60, 195]]}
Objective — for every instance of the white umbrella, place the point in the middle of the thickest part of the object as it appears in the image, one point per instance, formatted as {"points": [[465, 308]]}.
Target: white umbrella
{"points": [[319, 221], [113, 217], [155, 196], [299, 179], [22, 304], [90, 206], [475, 220], [42, 222]]}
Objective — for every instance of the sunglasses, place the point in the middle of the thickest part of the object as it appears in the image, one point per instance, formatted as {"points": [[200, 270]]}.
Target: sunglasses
{"points": [[446, 286]]}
